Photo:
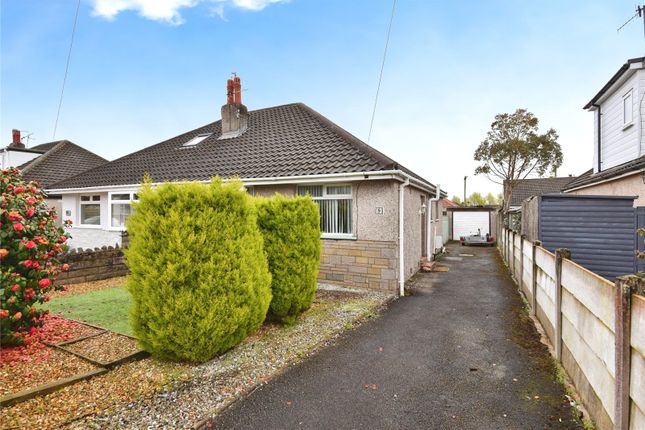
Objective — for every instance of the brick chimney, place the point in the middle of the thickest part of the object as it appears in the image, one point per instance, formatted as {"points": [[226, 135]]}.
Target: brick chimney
{"points": [[234, 114], [15, 141]]}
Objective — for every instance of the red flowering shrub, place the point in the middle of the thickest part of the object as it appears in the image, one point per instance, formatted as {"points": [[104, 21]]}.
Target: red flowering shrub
{"points": [[30, 243]]}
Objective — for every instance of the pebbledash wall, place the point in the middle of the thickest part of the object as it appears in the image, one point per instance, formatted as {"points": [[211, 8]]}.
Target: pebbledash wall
{"points": [[369, 260]]}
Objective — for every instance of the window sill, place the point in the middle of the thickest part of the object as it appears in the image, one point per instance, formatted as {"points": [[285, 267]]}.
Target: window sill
{"points": [[628, 125], [88, 226], [338, 236]]}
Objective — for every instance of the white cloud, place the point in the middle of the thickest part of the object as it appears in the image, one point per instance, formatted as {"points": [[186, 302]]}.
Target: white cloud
{"points": [[168, 10], [254, 4]]}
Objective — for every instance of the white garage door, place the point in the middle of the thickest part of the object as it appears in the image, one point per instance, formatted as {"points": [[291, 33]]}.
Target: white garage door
{"points": [[467, 223]]}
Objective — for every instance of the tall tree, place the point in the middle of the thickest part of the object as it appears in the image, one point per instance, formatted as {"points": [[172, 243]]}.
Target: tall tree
{"points": [[513, 150], [456, 199]]}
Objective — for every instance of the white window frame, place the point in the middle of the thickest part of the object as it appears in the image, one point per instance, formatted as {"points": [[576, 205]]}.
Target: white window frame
{"points": [[627, 122], [109, 205], [326, 196], [91, 201]]}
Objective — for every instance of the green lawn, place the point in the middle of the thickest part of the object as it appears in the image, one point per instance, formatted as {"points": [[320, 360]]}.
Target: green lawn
{"points": [[107, 308]]}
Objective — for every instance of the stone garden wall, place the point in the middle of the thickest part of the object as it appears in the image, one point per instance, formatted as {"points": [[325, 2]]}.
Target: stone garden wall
{"points": [[92, 265]]}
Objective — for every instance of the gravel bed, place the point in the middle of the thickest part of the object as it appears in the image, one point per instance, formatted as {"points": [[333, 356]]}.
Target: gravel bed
{"points": [[106, 347], [50, 366], [86, 287], [214, 385], [119, 386]]}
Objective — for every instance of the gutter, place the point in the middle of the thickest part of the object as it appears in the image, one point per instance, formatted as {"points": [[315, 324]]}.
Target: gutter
{"points": [[402, 237], [302, 179]]}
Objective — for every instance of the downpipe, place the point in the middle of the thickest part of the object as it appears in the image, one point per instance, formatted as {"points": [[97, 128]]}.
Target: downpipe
{"points": [[402, 187]]}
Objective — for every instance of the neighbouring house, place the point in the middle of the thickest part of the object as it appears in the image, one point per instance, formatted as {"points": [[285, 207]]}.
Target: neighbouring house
{"points": [[374, 212], [619, 138], [49, 162], [527, 188]]}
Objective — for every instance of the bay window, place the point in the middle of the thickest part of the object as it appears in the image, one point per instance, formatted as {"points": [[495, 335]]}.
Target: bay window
{"points": [[121, 208], [90, 209], [335, 205]]}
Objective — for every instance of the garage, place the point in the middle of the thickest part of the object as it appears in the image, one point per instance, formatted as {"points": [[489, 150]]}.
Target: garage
{"points": [[467, 221]]}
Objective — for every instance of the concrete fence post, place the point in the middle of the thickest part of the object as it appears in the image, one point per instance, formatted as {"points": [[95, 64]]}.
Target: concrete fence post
{"points": [[560, 255], [521, 280], [534, 278], [625, 287]]}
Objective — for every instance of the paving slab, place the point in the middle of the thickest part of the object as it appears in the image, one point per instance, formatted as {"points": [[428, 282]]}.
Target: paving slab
{"points": [[459, 353]]}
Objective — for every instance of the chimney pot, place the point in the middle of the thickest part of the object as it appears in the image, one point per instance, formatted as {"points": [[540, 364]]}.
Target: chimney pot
{"points": [[229, 92], [15, 137], [237, 90]]}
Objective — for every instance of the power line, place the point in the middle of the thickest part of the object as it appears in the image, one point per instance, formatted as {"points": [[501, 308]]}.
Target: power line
{"points": [[69, 56], [380, 77]]}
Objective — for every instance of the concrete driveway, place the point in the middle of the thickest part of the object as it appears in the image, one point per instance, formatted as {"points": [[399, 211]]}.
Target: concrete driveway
{"points": [[458, 353]]}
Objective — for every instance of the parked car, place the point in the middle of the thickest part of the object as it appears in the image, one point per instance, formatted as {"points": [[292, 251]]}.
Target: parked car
{"points": [[477, 239]]}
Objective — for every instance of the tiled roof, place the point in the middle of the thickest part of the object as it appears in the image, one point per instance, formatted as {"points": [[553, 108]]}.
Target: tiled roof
{"points": [[62, 159], [589, 178], [526, 188], [288, 140]]}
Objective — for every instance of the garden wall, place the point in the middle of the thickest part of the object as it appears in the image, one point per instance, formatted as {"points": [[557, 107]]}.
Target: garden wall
{"points": [[92, 265], [596, 327]]}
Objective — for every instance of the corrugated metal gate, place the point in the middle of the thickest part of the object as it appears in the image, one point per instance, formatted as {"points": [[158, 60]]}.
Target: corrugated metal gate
{"points": [[598, 230]]}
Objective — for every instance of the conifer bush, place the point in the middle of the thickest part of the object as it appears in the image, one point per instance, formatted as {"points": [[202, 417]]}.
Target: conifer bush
{"points": [[198, 273], [291, 230]]}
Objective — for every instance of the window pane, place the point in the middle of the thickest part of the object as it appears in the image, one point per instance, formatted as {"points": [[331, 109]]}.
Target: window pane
{"points": [[312, 190], [121, 197], [336, 216], [85, 198], [91, 214], [96, 198], [627, 109], [339, 189], [120, 213]]}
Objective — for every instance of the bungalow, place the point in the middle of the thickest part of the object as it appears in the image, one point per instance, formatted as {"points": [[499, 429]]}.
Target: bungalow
{"points": [[619, 141], [375, 213], [49, 162]]}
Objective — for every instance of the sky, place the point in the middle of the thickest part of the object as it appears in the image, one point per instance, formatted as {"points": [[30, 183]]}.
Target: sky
{"points": [[142, 71]]}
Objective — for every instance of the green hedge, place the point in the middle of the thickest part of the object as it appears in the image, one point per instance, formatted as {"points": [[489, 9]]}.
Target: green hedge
{"points": [[291, 230], [199, 277]]}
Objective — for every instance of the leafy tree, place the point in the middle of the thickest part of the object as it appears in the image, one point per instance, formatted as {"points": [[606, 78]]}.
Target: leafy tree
{"points": [[491, 199], [513, 150], [476, 199], [30, 244], [456, 199]]}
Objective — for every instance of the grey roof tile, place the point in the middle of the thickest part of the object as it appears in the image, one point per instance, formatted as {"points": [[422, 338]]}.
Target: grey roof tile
{"points": [[526, 188], [62, 159], [288, 140]]}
